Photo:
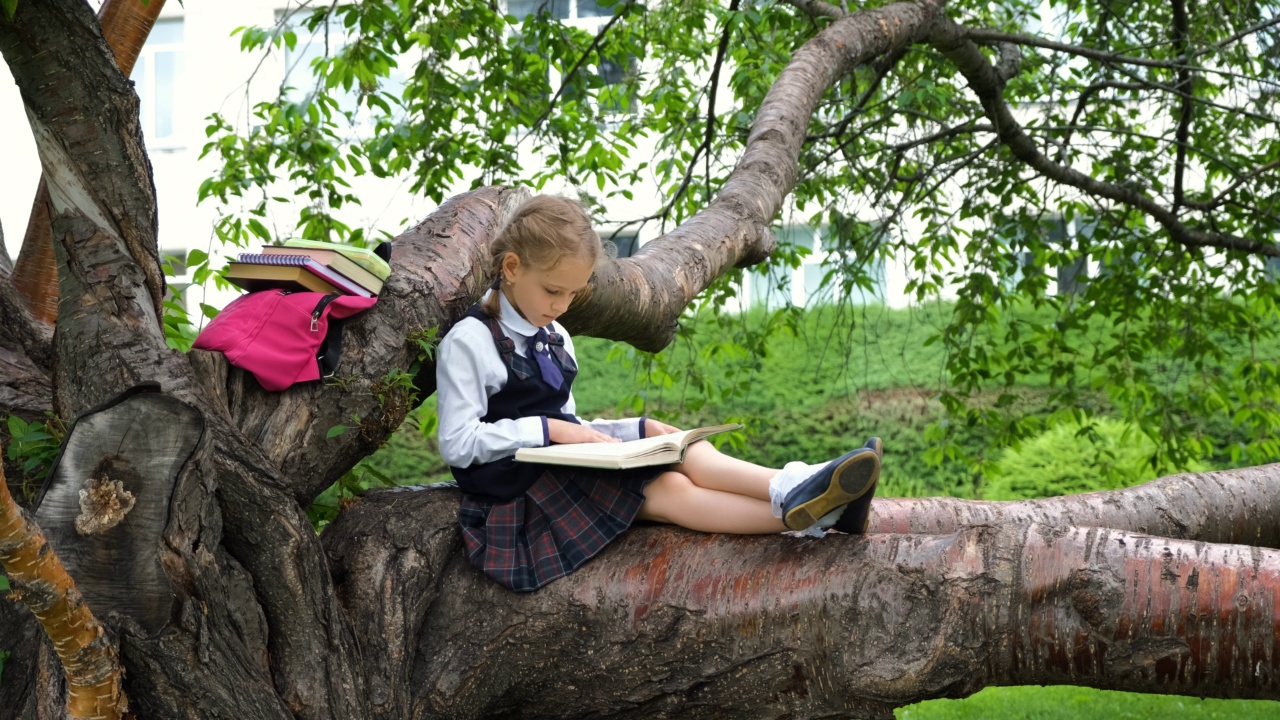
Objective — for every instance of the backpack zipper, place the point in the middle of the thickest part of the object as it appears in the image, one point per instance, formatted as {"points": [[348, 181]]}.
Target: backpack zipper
{"points": [[320, 306]]}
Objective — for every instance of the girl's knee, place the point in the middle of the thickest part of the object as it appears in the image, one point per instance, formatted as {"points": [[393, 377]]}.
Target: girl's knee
{"points": [[701, 454], [665, 492]]}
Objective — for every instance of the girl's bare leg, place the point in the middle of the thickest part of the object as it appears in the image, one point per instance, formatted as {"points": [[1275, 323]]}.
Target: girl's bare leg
{"points": [[675, 499], [713, 470]]}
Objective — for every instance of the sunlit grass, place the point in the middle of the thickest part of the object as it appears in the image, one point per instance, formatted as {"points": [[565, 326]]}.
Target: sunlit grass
{"points": [[1075, 703]]}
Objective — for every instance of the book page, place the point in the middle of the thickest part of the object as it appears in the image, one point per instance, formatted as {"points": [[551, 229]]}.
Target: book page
{"points": [[658, 446]]}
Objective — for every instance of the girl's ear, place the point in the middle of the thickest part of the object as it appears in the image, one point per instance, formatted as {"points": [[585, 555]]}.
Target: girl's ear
{"points": [[510, 266]]}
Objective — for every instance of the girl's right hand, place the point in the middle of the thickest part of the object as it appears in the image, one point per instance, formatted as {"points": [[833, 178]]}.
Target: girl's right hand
{"points": [[562, 431]]}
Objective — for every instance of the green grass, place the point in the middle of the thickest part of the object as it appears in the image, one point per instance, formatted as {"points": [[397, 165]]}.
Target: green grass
{"points": [[1074, 703]]}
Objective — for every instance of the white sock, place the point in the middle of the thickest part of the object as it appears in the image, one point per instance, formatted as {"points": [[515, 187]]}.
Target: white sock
{"points": [[819, 528], [791, 475]]}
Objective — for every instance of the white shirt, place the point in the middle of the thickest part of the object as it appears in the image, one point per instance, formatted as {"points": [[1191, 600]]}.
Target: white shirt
{"points": [[469, 371]]}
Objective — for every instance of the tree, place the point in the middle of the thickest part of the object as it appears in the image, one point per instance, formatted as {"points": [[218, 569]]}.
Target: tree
{"points": [[377, 618]]}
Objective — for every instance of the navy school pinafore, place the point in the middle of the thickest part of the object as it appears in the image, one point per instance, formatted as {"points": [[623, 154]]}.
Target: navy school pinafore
{"points": [[526, 524]]}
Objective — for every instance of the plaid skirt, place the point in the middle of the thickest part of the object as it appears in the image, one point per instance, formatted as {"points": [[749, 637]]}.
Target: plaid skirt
{"points": [[563, 520]]}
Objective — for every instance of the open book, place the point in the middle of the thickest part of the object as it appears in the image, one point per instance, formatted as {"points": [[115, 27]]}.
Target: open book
{"points": [[656, 450]]}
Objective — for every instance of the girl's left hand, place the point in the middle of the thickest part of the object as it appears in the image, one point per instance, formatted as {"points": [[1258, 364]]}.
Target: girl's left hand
{"points": [[653, 427]]}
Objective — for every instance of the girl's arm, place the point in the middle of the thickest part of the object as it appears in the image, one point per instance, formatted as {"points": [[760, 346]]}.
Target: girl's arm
{"points": [[468, 371], [623, 429]]}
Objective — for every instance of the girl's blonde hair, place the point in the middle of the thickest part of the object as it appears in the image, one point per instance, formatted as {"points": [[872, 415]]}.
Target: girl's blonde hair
{"points": [[541, 233]]}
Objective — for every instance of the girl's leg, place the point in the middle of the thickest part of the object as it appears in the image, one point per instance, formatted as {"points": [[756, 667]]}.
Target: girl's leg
{"points": [[709, 468], [674, 498]]}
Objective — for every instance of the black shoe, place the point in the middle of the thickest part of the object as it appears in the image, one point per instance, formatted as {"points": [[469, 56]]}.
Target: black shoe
{"points": [[838, 483], [857, 513]]}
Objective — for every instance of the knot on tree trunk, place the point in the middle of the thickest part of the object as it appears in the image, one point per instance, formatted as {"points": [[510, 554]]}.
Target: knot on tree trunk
{"points": [[103, 501]]}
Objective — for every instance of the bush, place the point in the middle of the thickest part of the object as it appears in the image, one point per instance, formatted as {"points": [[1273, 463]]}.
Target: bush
{"points": [[1070, 458]]}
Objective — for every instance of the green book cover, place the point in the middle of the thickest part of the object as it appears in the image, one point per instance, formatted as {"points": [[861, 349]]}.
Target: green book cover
{"points": [[364, 257]]}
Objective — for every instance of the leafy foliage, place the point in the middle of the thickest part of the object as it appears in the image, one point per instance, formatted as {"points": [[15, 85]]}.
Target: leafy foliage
{"points": [[803, 400], [901, 164], [34, 445], [1072, 458]]}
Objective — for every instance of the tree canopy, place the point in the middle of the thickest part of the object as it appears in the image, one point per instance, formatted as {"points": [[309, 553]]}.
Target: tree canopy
{"points": [[1012, 143]]}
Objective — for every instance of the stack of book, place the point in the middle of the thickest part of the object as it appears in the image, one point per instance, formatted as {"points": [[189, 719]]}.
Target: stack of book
{"points": [[311, 265]]}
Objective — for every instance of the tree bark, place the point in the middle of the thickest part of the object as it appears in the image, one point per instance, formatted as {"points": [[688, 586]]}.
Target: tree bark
{"points": [[125, 27], [1232, 506], [41, 582], [638, 300], [672, 623]]}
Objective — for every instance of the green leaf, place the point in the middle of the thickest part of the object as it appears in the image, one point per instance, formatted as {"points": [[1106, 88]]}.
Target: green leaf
{"points": [[10, 7], [335, 431]]}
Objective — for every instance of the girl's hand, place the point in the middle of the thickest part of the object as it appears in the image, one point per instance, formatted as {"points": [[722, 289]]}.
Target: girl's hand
{"points": [[653, 427], [562, 431]]}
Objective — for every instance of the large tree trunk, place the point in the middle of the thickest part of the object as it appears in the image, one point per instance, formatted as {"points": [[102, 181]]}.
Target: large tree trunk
{"points": [[386, 619], [672, 623]]}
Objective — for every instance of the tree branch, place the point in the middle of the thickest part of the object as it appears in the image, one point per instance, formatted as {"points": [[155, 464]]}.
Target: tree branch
{"points": [[708, 136], [1083, 101], [1230, 506], [984, 36], [817, 8], [41, 582], [670, 271], [873, 622], [1222, 197], [1186, 108], [952, 40]]}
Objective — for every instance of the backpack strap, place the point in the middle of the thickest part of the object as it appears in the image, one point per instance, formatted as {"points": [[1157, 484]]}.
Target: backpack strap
{"points": [[331, 346]]}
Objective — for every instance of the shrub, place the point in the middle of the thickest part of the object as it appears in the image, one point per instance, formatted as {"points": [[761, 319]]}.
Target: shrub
{"points": [[1070, 458]]}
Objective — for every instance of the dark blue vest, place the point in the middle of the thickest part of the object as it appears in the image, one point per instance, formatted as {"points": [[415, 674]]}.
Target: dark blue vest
{"points": [[524, 395]]}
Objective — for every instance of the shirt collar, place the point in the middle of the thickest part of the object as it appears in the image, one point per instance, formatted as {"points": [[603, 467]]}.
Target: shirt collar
{"points": [[511, 321]]}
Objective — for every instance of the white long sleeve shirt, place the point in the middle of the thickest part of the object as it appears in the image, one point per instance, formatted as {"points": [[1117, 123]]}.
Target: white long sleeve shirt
{"points": [[469, 371]]}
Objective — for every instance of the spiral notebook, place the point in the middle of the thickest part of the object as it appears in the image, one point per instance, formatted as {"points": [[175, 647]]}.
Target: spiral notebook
{"points": [[256, 269]]}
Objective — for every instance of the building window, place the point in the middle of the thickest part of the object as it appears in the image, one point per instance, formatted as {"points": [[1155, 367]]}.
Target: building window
{"points": [[823, 273], [559, 9], [157, 76], [627, 242], [609, 72]]}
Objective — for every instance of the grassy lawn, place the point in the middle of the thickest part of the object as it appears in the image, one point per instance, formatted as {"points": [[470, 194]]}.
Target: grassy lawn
{"points": [[1073, 703]]}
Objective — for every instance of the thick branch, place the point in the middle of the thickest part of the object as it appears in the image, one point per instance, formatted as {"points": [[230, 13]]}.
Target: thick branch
{"points": [[638, 300], [671, 623], [1232, 506], [438, 272], [102, 200], [125, 26], [41, 582]]}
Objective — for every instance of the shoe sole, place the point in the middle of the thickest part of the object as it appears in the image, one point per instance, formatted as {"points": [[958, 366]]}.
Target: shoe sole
{"points": [[849, 481]]}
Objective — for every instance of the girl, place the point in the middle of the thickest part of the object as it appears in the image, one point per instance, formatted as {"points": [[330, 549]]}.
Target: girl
{"points": [[504, 378]]}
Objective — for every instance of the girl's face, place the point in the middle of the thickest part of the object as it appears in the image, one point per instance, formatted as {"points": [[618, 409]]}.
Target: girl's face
{"points": [[542, 295]]}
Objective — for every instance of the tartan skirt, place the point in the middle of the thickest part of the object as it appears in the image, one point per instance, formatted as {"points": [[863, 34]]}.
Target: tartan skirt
{"points": [[563, 520]]}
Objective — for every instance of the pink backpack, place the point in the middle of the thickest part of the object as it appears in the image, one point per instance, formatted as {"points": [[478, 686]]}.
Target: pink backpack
{"points": [[282, 337]]}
